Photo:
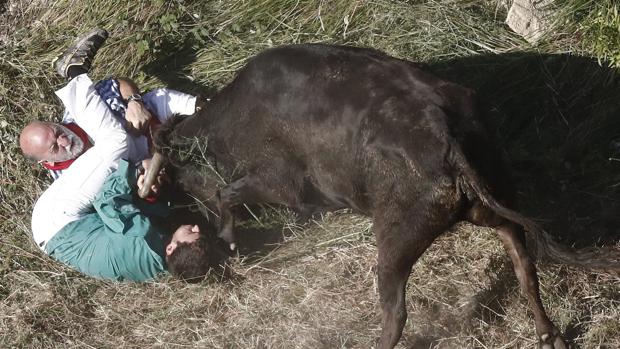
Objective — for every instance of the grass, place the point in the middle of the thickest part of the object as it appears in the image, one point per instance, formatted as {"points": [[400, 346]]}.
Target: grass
{"points": [[314, 286], [593, 26]]}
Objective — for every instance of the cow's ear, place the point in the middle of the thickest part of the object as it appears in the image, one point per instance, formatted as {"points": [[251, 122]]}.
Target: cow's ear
{"points": [[170, 248]]}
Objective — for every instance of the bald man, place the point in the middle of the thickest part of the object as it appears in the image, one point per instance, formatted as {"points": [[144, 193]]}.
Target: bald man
{"points": [[95, 123], [88, 218]]}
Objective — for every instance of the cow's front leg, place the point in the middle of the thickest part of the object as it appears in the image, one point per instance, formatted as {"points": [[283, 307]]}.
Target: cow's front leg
{"points": [[252, 189], [235, 193], [227, 224]]}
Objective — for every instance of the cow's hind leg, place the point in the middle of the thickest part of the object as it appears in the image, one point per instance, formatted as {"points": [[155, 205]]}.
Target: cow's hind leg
{"points": [[401, 240], [513, 239]]}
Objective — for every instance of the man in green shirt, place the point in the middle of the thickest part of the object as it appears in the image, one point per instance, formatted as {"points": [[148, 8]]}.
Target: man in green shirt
{"points": [[118, 241]]}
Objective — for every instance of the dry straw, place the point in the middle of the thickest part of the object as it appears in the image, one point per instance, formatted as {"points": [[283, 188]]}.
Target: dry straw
{"points": [[314, 285]]}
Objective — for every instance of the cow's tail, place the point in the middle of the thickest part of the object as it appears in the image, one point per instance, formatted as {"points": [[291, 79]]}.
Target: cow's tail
{"points": [[604, 259]]}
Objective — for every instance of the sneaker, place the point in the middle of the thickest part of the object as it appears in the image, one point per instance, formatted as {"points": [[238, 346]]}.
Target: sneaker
{"points": [[81, 54]]}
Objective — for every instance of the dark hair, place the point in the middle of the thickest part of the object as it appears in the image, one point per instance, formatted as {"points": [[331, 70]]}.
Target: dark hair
{"points": [[190, 261]]}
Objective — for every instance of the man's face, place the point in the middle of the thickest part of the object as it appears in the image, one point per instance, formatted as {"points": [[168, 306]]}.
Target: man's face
{"points": [[185, 233], [46, 141]]}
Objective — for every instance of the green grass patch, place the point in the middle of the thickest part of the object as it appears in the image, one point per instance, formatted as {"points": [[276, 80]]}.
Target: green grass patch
{"points": [[594, 27]]}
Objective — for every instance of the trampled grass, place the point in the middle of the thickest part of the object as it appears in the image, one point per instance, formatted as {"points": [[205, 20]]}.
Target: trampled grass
{"points": [[314, 286]]}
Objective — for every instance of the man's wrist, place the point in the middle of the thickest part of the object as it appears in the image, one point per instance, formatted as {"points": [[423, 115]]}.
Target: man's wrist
{"points": [[135, 97]]}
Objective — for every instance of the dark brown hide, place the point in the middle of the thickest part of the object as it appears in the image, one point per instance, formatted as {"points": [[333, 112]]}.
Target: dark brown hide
{"points": [[327, 127]]}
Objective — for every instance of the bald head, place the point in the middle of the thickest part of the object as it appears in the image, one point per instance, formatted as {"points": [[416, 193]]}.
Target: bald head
{"points": [[46, 141], [32, 139]]}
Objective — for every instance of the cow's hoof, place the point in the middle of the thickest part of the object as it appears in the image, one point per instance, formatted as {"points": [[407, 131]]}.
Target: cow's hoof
{"points": [[228, 237], [552, 340]]}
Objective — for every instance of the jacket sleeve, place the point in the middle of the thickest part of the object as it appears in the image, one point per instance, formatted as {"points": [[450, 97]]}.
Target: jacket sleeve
{"points": [[115, 204], [89, 111], [84, 178], [165, 103]]}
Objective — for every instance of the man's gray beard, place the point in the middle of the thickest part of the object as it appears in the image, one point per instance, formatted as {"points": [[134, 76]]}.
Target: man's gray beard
{"points": [[76, 147]]}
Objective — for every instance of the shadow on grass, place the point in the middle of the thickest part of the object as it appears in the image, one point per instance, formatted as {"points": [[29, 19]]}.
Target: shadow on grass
{"points": [[172, 66], [257, 239], [556, 117], [487, 306]]}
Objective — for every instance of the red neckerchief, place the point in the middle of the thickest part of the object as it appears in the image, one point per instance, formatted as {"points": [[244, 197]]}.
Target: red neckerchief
{"points": [[62, 165]]}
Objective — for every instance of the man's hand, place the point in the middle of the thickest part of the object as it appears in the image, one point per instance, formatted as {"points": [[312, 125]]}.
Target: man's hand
{"points": [[138, 118]]}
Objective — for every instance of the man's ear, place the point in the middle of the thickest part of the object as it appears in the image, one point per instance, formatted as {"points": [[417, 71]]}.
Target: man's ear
{"points": [[170, 248]]}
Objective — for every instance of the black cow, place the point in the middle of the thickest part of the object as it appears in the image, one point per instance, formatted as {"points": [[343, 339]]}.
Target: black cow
{"points": [[327, 127]]}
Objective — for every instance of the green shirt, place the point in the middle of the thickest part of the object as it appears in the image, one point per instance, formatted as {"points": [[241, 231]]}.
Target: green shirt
{"points": [[116, 241]]}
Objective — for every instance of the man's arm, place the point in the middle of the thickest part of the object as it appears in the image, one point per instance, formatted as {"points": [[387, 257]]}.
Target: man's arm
{"points": [[116, 204], [162, 102], [165, 103], [137, 115], [88, 110]]}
